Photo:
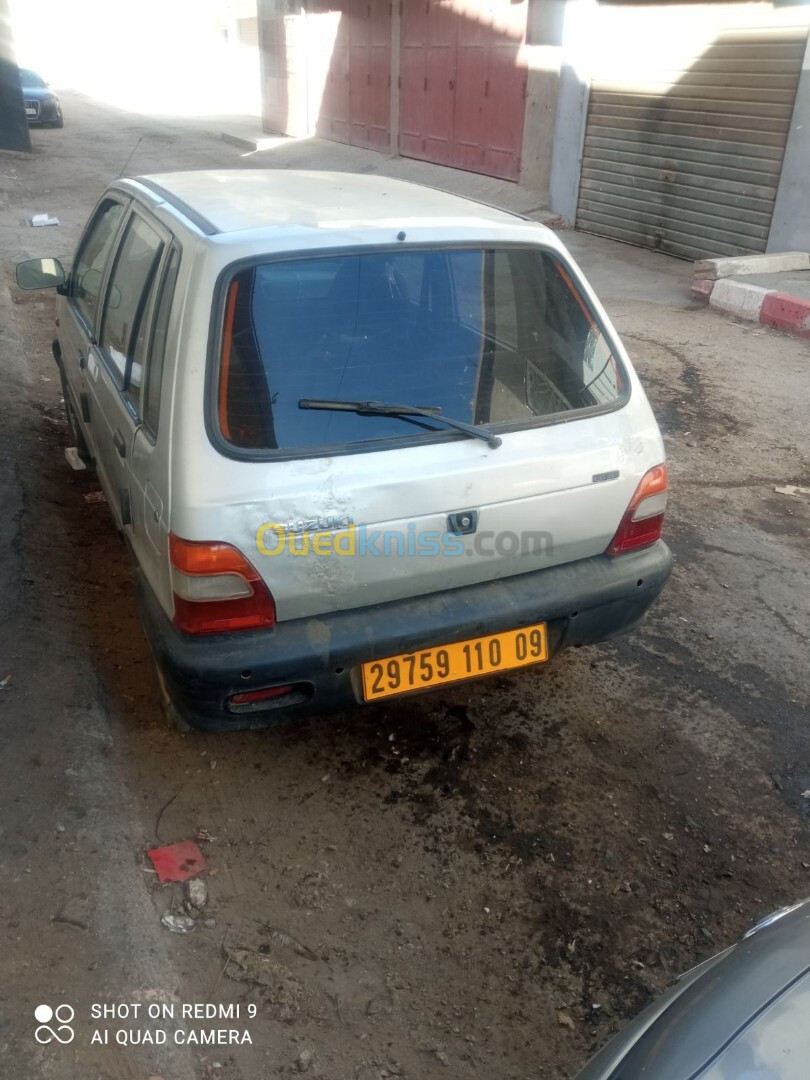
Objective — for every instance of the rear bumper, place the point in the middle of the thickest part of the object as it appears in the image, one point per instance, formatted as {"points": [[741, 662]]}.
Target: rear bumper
{"points": [[582, 602]]}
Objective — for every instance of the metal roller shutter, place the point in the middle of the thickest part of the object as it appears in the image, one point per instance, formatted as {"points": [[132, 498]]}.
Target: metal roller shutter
{"points": [[683, 150]]}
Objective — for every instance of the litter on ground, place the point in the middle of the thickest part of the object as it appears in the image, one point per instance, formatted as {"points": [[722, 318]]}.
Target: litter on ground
{"points": [[73, 459], [177, 862], [178, 924]]}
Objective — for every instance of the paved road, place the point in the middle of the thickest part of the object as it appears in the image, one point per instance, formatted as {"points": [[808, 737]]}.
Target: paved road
{"points": [[491, 879]]}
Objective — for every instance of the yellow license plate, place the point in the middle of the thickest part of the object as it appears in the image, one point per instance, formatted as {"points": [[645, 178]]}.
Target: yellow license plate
{"points": [[455, 663]]}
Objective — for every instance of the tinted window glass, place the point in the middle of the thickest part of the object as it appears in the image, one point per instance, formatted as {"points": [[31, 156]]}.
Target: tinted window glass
{"points": [[88, 273], [157, 353], [489, 336], [126, 304]]}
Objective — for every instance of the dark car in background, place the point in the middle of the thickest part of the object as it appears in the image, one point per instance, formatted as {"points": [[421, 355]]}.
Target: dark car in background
{"points": [[742, 1015], [42, 105]]}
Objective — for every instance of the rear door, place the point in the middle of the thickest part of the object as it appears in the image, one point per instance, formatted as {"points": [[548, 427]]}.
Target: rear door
{"points": [[81, 311], [116, 364], [351, 509], [149, 472]]}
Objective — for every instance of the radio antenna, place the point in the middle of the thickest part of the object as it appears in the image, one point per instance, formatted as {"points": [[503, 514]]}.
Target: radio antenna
{"points": [[131, 156]]}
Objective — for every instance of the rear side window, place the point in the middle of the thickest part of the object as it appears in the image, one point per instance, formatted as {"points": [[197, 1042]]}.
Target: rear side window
{"points": [[127, 302], [490, 336], [157, 353], [88, 273]]}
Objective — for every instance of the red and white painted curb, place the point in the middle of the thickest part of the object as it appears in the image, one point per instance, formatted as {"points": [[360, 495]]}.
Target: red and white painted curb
{"points": [[755, 304], [784, 312]]}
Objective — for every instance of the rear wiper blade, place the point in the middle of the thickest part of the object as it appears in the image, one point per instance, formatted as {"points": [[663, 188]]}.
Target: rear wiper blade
{"points": [[384, 408]]}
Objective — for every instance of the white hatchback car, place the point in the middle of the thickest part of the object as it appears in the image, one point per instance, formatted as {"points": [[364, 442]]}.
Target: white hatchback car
{"points": [[363, 438]]}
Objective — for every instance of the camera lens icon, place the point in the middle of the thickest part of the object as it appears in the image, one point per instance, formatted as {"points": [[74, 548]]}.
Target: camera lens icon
{"points": [[63, 1032]]}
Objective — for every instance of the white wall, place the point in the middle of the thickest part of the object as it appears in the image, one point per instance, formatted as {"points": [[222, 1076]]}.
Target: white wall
{"points": [[153, 56], [790, 227]]}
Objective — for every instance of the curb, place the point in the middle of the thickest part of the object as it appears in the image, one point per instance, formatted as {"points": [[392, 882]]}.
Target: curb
{"points": [[755, 304], [16, 377], [774, 263], [788, 313], [251, 144]]}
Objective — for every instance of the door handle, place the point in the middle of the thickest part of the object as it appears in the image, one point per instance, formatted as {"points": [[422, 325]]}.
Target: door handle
{"points": [[82, 361], [120, 445]]}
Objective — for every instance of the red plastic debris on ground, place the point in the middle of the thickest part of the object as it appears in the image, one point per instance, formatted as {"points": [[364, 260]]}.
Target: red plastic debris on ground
{"points": [[177, 862]]}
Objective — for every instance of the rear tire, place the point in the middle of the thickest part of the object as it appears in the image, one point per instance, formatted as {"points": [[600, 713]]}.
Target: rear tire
{"points": [[177, 722], [173, 717]]}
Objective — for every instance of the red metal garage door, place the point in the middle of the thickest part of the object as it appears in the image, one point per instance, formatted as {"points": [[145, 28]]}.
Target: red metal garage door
{"points": [[463, 84], [355, 107]]}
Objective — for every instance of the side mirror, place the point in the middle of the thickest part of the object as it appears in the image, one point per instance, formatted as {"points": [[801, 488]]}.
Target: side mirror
{"points": [[40, 274]]}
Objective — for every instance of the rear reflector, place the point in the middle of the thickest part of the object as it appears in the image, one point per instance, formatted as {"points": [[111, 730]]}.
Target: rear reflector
{"points": [[216, 589], [270, 697], [250, 696], [644, 518]]}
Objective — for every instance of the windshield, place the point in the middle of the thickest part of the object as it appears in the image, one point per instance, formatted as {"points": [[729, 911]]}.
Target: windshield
{"points": [[489, 336], [30, 78]]}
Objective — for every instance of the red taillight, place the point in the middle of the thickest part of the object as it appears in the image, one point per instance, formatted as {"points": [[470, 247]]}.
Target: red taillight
{"points": [[644, 517], [216, 589], [250, 697]]}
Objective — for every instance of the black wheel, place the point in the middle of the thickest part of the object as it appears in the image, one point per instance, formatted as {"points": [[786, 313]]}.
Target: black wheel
{"points": [[173, 717], [58, 123], [185, 724], [73, 424]]}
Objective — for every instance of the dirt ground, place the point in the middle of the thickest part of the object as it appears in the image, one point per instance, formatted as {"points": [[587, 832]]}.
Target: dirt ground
{"points": [[486, 882]]}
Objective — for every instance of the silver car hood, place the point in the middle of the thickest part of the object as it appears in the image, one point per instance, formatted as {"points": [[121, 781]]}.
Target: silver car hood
{"points": [[743, 1015]]}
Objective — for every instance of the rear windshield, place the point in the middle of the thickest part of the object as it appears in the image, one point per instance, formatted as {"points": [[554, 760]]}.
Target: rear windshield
{"points": [[492, 337]]}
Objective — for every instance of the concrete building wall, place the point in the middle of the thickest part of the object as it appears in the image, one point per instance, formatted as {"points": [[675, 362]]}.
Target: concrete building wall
{"points": [[572, 107], [13, 125], [543, 50], [174, 58], [541, 110], [790, 228]]}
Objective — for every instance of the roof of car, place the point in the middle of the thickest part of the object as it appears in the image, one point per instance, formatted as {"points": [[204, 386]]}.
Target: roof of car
{"points": [[235, 200], [740, 1016]]}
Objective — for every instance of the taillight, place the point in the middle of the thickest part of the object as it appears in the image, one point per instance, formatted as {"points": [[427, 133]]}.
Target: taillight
{"points": [[250, 697], [644, 517], [216, 589]]}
